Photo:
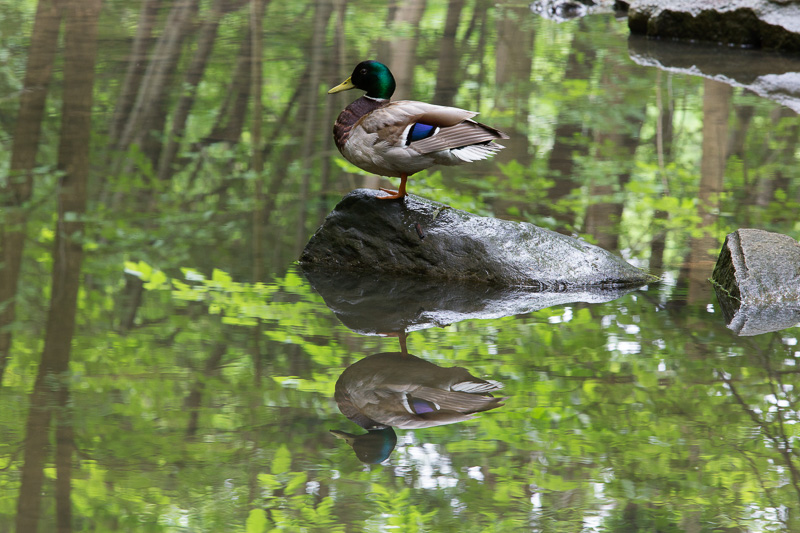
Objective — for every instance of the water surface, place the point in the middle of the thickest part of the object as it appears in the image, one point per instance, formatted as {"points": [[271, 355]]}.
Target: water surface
{"points": [[195, 390]]}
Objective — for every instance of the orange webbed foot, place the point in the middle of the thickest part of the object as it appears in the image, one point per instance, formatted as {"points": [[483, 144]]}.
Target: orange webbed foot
{"points": [[399, 193], [393, 195]]}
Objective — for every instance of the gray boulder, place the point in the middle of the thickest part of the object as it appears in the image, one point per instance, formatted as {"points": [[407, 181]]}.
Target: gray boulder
{"points": [[422, 238], [771, 25], [757, 281]]}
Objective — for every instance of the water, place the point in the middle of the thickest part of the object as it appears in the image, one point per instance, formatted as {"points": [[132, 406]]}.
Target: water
{"points": [[196, 392]]}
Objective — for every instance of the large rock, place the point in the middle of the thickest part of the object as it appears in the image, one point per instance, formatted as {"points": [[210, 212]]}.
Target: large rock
{"points": [[418, 237], [771, 25], [757, 280]]}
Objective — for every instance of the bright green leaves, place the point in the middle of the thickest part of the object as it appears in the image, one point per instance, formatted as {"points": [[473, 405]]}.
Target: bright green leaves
{"points": [[281, 461], [153, 279], [289, 499], [398, 510], [256, 521]]}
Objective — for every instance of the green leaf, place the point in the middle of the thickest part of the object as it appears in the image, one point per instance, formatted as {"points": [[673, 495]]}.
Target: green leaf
{"points": [[298, 480], [282, 460], [256, 521]]}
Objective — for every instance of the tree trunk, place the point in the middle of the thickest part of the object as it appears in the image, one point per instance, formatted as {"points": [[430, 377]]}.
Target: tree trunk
{"points": [[514, 61], [603, 215], [80, 44], [480, 22], [257, 163], [780, 158], [332, 77], [17, 192], [65, 448], [513, 64], [617, 141], [195, 398]]}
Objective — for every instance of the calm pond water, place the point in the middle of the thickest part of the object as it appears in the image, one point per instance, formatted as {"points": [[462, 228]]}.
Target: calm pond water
{"points": [[167, 366]]}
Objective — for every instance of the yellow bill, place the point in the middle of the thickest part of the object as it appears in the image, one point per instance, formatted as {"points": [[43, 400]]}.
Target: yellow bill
{"points": [[344, 86]]}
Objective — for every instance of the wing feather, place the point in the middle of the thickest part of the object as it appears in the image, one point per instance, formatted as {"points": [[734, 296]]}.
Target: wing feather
{"points": [[391, 120], [463, 134], [379, 138]]}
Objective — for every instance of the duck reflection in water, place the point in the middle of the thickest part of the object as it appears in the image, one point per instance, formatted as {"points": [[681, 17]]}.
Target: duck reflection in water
{"points": [[399, 390]]}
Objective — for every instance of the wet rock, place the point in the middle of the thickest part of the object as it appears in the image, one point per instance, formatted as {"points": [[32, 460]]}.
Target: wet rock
{"points": [[771, 25], [768, 74], [379, 305], [757, 280], [429, 240]]}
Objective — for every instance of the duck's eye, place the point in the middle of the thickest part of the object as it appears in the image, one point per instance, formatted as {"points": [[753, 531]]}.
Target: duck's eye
{"points": [[363, 71]]}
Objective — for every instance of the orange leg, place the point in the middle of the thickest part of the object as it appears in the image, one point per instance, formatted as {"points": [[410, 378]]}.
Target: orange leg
{"points": [[401, 336], [399, 193]]}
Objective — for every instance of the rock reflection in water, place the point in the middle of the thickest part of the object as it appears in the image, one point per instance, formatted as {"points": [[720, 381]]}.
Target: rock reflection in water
{"points": [[380, 305], [399, 390], [748, 320], [767, 74]]}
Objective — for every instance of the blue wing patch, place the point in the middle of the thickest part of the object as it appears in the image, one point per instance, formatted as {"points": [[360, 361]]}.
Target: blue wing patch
{"points": [[419, 131], [422, 406]]}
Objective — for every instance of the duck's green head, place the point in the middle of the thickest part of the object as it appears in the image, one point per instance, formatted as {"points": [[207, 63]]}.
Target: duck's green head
{"points": [[372, 447], [370, 76]]}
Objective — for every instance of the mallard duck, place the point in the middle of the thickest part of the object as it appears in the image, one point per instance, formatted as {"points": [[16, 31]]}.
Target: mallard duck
{"points": [[397, 389], [374, 446], [401, 138]]}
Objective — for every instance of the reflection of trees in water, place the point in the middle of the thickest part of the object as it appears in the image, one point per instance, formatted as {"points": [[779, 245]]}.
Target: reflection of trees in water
{"points": [[50, 396], [17, 191], [176, 174]]}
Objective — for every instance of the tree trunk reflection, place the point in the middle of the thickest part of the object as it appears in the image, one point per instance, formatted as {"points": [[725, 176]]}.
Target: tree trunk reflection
{"points": [[148, 112], [568, 134], [704, 249], [51, 390], [194, 74], [664, 138], [17, 192], [449, 58], [400, 53], [616, 143]]}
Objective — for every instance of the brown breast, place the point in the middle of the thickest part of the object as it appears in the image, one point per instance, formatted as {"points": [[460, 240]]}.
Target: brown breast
{"points": [[350, 116]]}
